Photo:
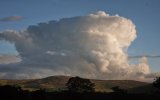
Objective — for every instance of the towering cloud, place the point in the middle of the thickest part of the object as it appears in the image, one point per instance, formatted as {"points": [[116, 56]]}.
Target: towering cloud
{"points": [[92, 46]]}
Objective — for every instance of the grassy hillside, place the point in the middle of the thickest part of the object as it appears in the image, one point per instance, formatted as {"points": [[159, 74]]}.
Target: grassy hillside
{"points": [[106, 85], [56, 83]]}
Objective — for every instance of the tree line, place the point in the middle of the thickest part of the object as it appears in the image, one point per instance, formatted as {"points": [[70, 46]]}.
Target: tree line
{"points": [[77, 89]]}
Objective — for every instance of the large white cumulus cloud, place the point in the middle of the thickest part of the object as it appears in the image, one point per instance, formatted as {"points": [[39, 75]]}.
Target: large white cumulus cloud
{"points": [[92, 46]]}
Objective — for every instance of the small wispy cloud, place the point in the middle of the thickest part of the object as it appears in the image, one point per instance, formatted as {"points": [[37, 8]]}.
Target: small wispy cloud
{"points": [[11, 19], [7, 59], [148, 56]]}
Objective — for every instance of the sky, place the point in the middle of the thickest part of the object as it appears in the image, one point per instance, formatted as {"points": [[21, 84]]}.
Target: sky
{"points": [[18, 15]]}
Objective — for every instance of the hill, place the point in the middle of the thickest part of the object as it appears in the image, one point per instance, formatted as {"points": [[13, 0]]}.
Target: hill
{"points": [[56, 83]]}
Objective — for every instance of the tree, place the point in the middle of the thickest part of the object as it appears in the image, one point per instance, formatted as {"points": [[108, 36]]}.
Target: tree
{"points": [[156, 82], [77, 84]]}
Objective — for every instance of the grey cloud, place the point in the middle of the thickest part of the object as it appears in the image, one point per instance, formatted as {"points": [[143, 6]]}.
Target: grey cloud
{"points": [[153, 75]]}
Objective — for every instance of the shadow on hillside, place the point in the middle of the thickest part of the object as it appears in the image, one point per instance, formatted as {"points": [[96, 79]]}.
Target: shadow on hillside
{"points": [[16, 93]]}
